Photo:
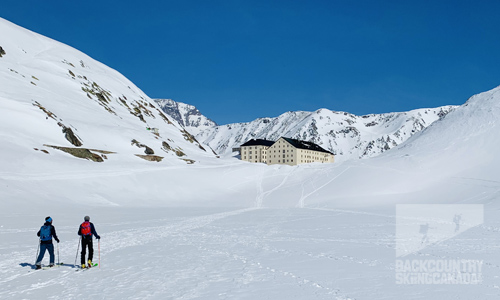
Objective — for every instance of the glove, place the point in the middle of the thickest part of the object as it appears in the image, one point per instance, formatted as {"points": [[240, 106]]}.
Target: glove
{"points": [[57, 240], [98, 237]]}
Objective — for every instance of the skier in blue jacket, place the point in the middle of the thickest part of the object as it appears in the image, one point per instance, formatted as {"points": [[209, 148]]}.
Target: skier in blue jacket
{"points": [[46, 233]]}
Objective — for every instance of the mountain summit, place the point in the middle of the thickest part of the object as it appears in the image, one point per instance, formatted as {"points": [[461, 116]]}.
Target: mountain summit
{"points": [[186, 115]]}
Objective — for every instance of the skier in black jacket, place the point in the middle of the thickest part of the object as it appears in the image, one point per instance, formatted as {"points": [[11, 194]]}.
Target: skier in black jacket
{"points": [[86, 231], [46, 233]]}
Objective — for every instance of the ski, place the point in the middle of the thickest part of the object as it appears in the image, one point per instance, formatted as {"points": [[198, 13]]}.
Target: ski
{"points": [[49, 267], [86, 268]]}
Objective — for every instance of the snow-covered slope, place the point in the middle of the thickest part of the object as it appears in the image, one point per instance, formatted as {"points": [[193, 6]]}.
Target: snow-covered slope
{"points": [[186, 115], [344, 134], [452, 161], [55, 98], [332, 238]]}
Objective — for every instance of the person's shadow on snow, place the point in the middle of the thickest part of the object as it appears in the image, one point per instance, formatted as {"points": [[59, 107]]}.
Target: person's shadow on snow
{"points": [[32, 266], [28, 265]]}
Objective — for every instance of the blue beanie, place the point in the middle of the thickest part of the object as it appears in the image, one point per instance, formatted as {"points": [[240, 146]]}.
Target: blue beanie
{"points": [[48, 220]]}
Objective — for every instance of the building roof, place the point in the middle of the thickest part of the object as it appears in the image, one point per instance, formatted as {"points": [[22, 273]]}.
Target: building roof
{"points": [[305, 145], [258, 142]]}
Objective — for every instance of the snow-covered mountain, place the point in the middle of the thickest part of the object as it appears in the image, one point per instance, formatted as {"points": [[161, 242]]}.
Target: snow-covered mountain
{"points": [[344, 134], [185, 114], [243, 252], [214, 224], [55, 98]]}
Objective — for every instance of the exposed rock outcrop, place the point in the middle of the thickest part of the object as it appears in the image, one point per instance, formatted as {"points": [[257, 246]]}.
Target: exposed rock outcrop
{"points": [[81, 152], [71, 137], [148, 150], [150, 157]]}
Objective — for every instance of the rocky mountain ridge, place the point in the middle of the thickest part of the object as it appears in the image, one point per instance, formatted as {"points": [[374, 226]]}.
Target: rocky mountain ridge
{"points": [[346, 135]]}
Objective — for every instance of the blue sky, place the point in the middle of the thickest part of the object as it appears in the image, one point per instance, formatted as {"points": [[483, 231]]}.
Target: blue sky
{"points": [[241, 60]]}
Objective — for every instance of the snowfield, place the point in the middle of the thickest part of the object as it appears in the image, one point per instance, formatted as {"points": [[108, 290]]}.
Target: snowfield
{"points": [[292, 253], [220, 228], [248, 232]]}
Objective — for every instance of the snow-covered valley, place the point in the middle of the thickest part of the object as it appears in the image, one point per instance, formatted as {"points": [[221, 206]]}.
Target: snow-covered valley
{"points": [[194, 226], [286, 253]]}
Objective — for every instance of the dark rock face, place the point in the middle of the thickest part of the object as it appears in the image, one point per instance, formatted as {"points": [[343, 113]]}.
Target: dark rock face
{"points": [[70, 136], [185, 114], [149, 150], [2, 52]]}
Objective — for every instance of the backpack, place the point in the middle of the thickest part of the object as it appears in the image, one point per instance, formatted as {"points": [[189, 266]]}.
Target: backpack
{"points": [[46, 233], [85, 228]]}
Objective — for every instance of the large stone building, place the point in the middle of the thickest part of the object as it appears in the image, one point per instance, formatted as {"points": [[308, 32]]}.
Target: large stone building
{"points": [[255, 150], [284, 151]]}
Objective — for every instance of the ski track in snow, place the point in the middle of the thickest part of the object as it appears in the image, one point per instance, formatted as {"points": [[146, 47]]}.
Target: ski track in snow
{"points": [[114, 241], [184, 231], [234, 254], [128, 238], [222, 262], [253, 267], [261, 194], [303, 197]]}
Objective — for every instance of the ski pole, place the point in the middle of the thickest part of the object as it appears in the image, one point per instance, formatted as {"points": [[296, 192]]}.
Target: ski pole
{"points": [[37, 251], [79, 239], [58, 261], [99, 247]]}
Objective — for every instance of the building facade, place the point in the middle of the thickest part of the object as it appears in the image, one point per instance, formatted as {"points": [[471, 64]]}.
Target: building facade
{"points": [[284, 151], [255, 150]]}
